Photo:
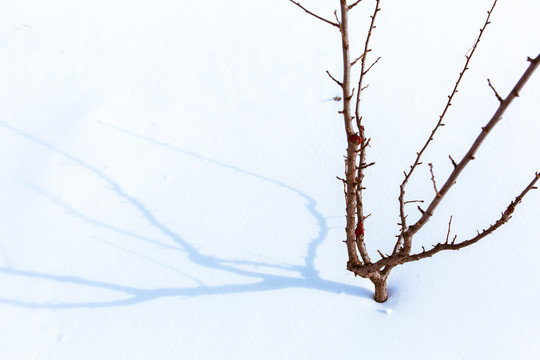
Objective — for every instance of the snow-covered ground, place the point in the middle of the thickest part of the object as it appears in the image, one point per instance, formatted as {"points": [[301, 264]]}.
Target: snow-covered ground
{"points": [[168, 183]]}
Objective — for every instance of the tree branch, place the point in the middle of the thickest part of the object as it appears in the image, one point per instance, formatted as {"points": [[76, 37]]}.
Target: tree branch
{"points": [[360, 171], [363, 62], [399, 256], [506, 215], [433, 179], [358, 58], [448, 233], [407, 238], [392, 261], [369, 68], [333, 78], [353, 5], [470, 154], [452, 160], [495, 91], [315, 15], [355, 243]]}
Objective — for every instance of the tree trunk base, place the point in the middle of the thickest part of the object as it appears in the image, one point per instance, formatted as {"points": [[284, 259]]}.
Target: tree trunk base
{"points": [[381, 291]]}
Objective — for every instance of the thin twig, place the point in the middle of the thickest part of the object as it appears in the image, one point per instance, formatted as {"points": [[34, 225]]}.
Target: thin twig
{"points": [[407, 238], [333, 78], [358, 58], [317, 16], [495, 91], [368, 270], [506, 215], [353, 5], [433, 179], [534, 63], [363, 63], [449, 227], [367, 165], [452, 160], [414, 201], [337, 20], [369, 68]]}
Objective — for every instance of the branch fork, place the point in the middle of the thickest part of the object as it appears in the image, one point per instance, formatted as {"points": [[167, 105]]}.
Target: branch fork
{"points": [[359, 261]]}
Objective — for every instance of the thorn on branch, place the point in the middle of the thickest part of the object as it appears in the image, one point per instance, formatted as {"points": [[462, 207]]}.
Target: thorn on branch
{"points": [[421, 210], [495, 91]]}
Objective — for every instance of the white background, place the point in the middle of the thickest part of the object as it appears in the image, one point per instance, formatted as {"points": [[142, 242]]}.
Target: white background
{"points": [[168, 183]]}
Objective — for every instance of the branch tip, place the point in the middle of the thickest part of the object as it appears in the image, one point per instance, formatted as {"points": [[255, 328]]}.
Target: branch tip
{"points": [[315, 15], [353, 5], [495, 91], [333, 78]]}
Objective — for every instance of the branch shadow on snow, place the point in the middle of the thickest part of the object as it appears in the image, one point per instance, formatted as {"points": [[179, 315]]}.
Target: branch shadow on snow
{"points": [[310, 278]]}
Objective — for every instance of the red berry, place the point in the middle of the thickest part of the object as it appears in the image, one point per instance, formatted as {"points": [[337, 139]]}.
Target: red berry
{"points": [[355, 138], [359, 230]]}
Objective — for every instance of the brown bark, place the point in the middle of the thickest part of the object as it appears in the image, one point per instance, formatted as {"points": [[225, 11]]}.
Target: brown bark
{"points": [[359, 261], [350, 162], [381, 290]]}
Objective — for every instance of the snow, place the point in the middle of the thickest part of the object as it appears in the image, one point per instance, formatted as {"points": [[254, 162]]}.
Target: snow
{"points": [[169, 190]]}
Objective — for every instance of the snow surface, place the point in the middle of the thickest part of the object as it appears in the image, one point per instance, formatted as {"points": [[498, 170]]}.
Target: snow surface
{"points": [[169, 192]]}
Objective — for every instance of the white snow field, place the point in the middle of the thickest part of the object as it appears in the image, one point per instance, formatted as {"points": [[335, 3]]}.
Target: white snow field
{"points": [[168, 186]]}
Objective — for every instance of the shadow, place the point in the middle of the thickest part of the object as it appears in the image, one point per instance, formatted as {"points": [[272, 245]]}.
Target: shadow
{"points": [[261, 281]]}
